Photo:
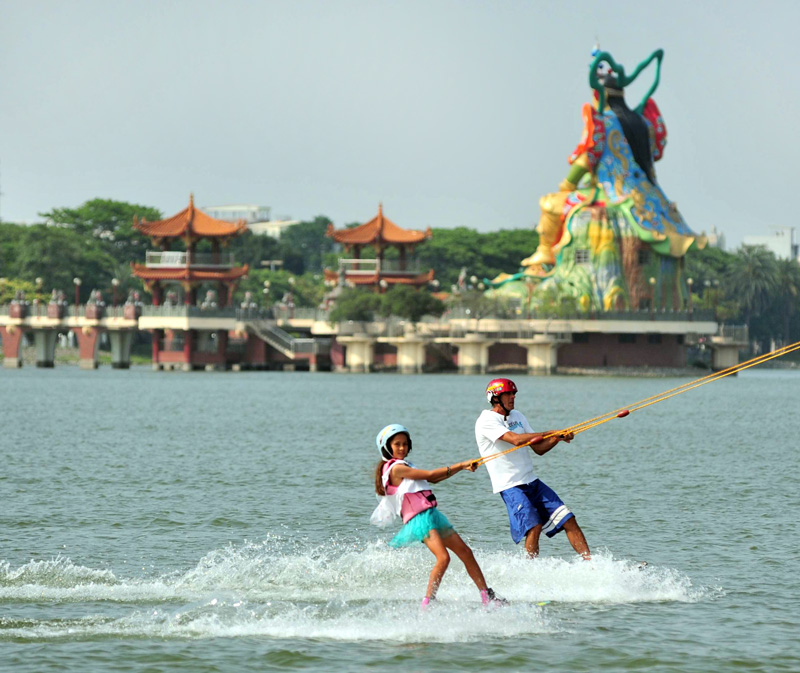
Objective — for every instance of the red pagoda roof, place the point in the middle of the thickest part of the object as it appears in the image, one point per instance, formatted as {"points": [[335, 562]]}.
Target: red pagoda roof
{"points": [[379, 229], [190, 222], [190, 274]]}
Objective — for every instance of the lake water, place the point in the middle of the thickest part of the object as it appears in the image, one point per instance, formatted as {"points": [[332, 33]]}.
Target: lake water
{"points": [[154, 521]]}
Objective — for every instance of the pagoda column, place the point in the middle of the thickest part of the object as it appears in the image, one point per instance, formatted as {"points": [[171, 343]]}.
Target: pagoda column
{"points": [[222, 347], [188, 346], [157, 335]]}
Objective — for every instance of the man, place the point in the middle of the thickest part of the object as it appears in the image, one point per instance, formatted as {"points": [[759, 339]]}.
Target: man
{"points": [[532, 505]]}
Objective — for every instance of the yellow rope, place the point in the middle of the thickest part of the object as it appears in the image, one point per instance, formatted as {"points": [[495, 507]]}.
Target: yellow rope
{"points": [[622, 412], [688, 386]]}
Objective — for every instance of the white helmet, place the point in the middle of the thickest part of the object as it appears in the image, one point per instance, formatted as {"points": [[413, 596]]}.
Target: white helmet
{"points": [[385, 436]]}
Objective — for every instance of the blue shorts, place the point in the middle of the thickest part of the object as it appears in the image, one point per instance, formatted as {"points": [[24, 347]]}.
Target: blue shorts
{"points": [[533, 504]]}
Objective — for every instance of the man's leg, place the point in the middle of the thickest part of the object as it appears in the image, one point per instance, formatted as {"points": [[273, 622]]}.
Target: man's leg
{"points": [[532, 541], [575, 537]]}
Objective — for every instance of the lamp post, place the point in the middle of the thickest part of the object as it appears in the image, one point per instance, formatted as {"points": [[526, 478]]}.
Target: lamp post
{"points": [[690, 282], [39, 282], [114, 285], [716, 297], [77, 282], [652, 296]]}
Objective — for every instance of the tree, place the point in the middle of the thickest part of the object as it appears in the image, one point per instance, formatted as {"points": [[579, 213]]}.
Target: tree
{"points": [[404, 301], [111, 222], [355, 304], [252, 249], [484, 255], [304, 245], [753, 279], [58, 255], [788, 294]]}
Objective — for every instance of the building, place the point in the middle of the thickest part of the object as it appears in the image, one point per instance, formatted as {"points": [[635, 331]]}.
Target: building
{"points": [[781, 242], [257, 218], [716, 239]]}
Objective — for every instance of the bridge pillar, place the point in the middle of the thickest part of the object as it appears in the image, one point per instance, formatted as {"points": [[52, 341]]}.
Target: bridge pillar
{"points": [[473, 354], [45, 342], [724, 356], [410, 354], [542, 354], [121, 341], [88, 340], [12, 338], [360, 352], [725, 351]]}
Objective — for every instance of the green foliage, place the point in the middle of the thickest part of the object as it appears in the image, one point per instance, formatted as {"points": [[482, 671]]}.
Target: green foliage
{"points": [[355, 304], [10, 286], [483, 254], [109, 221], [753, 279], [402, 301], [709, 264], [57, 255], [252, 249], [307, 290], [407, 302], [304, 246]]}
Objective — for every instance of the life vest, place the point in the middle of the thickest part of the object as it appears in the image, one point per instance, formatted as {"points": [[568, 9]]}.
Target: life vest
{"points": [[407, 500]]}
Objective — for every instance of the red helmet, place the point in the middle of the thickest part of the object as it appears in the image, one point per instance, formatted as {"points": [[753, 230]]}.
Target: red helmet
{"points": [[498, 386]]}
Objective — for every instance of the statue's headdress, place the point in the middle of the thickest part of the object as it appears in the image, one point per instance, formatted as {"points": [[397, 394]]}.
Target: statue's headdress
{"points": [[612, 80]]}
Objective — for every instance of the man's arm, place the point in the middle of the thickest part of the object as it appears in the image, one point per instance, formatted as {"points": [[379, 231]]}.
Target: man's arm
{"points": [[539, 448]]}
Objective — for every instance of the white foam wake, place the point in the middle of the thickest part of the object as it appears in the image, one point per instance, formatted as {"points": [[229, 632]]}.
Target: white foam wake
{"points": [[341, 590]]}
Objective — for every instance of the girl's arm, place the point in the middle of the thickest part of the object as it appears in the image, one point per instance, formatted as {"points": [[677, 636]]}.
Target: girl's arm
{"points": [[400, 472]]}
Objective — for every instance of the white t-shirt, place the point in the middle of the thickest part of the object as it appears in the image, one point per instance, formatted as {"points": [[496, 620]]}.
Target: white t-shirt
{"points": [[514, 468]]}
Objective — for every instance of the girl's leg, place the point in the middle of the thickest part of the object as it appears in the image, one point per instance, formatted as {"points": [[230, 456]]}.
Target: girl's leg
{"points": [[463, 552], [435, 543]]}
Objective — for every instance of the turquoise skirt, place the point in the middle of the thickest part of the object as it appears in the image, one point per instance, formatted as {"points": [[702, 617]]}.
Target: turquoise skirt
{"points": [[418, 528]]}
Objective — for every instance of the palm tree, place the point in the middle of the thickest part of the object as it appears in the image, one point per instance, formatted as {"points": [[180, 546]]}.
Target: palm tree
{"points": [[788, 279], [753, 279]]}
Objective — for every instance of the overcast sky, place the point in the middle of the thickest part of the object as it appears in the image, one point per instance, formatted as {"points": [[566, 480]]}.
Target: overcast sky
{"points": [[449, 112]]}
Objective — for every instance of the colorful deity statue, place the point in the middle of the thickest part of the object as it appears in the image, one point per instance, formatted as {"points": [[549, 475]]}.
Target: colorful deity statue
{"points": [[609, 239]]}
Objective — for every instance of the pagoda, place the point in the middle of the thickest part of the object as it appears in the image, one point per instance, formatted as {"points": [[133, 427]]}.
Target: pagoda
{"points": [[188, 268], [379, 273], [200, 337]]}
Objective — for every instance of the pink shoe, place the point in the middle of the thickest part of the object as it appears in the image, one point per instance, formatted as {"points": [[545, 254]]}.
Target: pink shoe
{"points": [[488, 597], [425, 603]]}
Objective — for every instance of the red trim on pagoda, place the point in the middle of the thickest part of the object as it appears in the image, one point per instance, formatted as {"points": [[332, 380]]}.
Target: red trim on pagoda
{"points": [[192, 223], [375, 278], [189, 274]]}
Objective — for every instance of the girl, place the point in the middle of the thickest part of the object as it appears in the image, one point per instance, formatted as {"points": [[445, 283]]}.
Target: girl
{"points": [[406, 491]]}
